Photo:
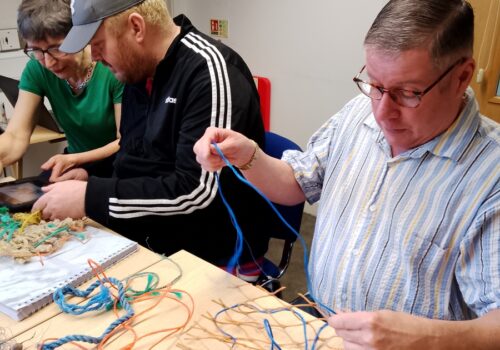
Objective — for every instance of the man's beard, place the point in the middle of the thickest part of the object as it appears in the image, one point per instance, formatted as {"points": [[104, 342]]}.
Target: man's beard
{"points": [[134, 67]]}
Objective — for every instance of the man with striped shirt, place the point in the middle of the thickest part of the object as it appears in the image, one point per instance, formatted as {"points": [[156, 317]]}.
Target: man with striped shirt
{"points": [[179, 82], [407, 239]]}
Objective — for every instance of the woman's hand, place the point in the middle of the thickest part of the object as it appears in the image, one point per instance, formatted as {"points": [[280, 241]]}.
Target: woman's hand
{"points": [[60, 164], [237, 148]]}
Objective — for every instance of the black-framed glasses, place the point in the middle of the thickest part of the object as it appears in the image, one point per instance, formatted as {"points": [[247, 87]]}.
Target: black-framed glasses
{"points": [[39, 54], [404, 98]]}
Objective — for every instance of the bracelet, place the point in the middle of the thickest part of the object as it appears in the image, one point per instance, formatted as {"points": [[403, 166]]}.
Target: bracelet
{"points": [[249, 164]]}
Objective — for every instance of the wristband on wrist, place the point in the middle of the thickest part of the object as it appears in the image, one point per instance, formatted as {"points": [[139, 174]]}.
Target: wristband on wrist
{"points": [[249, 164]]}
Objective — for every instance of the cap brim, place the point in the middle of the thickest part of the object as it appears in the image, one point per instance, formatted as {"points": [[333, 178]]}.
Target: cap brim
{"points": [[79, 36]]}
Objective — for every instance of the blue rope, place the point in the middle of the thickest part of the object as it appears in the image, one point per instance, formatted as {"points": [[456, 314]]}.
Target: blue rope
{"points": [[97, 302], [299, 236], [233, 261], [267, 325], [316, 339], [269, 331], [102, 300]]}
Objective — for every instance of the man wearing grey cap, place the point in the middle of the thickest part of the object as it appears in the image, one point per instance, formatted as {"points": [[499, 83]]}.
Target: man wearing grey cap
{"points": [[179, 82]]}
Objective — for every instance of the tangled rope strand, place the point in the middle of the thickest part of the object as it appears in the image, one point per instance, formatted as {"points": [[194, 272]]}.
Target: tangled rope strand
{"points": [[273, 207], [98, 302]]}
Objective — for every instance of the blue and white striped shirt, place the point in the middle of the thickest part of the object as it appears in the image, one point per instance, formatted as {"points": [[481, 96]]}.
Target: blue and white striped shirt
{"points": [[419, 232]]}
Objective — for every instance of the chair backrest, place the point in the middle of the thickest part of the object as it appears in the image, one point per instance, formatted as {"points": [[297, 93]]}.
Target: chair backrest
{"points": [[275, 146]]}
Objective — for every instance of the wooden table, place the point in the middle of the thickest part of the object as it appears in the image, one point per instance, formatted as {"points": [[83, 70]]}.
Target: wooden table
{"points": [[141, 259], [7, 179], [211, 288], [40, 134]]}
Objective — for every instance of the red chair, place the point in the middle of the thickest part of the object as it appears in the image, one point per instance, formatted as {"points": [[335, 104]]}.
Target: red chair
{"points": [[264, 89]]}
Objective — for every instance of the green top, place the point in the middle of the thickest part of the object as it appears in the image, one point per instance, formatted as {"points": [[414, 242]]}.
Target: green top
{"points": [[88, 119]]}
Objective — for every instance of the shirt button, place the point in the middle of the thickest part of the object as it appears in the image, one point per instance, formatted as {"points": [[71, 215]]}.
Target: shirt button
{"points": [[355, 252], [373, 207], [344, 297]]}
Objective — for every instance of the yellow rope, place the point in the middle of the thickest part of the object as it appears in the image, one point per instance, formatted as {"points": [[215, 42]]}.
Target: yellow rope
{"points": [[27, 219]]}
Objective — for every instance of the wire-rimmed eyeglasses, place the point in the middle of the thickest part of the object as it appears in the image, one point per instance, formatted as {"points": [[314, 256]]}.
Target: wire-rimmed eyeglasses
{"points": [[404, 98], [39, 54]]}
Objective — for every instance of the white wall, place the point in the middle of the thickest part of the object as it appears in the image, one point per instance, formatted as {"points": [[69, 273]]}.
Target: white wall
{"points": [[8, 13], [310, 50]]}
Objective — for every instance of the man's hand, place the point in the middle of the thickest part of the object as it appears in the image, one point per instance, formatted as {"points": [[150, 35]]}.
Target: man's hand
{"points": [[62, 200], [383, 330]]}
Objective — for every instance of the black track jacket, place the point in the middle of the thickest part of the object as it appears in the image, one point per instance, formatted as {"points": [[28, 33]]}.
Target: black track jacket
{"points": [[159, 196]]}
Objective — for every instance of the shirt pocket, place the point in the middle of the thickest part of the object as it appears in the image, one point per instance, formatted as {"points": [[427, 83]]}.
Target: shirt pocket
{"points": [[427, 273]]}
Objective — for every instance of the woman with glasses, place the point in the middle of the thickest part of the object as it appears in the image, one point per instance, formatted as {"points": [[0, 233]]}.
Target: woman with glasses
{"points": [[84, 95]]}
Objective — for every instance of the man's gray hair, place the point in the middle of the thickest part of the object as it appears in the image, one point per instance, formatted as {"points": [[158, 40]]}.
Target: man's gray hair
{"points": [[445, 27], [37, 20]]}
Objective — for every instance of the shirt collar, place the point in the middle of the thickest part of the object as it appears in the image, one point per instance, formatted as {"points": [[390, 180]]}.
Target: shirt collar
{"points": [[450, 144]]}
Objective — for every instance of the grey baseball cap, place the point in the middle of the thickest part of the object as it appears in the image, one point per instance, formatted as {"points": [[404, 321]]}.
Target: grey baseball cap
{"points": [[87, 16]]}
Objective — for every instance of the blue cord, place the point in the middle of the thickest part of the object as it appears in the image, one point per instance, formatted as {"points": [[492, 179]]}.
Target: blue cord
{"points": [[233, 261], [267, 325], [299, 236], [316, 339], [102, 300], [97, 302], [269, 332]]}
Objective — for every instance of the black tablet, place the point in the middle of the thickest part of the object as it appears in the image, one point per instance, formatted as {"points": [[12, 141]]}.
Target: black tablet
{"points": [[21, 194]]}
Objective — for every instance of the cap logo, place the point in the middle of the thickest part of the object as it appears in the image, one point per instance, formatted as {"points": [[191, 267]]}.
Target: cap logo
{"points": [[72, 7]]}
